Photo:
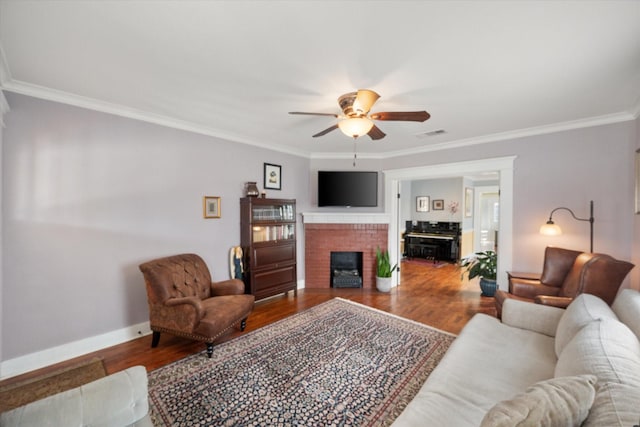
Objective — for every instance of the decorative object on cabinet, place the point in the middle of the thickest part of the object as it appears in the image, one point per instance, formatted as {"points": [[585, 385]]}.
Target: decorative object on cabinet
{"points": [[211, 207], [272, 176], [251, 189], [422, 204], [268, 240], [468, 202], [438, 205], [552, 229]]}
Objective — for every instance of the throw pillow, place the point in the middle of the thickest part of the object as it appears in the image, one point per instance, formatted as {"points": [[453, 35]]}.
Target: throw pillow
{"points": [[627, 308], [562, 402], [583, 309]]}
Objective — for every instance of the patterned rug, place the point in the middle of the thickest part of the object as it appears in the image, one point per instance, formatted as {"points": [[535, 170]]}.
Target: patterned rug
{"points": [[337, 364]]}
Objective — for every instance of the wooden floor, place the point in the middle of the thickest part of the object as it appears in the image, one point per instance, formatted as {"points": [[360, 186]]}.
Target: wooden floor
{"points": [[429, 293]]}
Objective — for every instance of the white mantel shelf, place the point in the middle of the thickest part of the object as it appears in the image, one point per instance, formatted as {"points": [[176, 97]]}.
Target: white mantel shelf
{"points": [[345, 218]]}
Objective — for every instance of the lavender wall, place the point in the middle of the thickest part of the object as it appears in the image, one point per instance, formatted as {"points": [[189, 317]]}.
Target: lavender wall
{"points": [[88, 196], [562, 169]]}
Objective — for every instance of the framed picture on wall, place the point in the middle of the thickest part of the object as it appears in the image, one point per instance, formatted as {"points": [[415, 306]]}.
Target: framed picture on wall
{"points": [[211, 207], [272, 176], [438, 205], [468, 202], [422, 204]]}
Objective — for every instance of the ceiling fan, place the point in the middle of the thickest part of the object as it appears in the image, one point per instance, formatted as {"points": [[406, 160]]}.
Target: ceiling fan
{"points": [[356, 120]]}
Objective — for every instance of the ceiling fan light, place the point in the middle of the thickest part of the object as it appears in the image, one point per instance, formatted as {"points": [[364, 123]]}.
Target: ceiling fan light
{"points": [[355, 126], [365, 99]]}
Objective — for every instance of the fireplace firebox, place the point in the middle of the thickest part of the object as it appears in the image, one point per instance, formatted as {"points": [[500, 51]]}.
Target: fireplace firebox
{"points": [[346, 269]]}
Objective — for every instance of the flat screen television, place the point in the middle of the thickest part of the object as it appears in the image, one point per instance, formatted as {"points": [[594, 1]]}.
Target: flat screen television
{"points": [[348, 188]]}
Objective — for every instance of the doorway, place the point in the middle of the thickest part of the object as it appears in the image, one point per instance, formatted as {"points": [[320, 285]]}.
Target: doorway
{"points": [[502, 165], [486, 222]]}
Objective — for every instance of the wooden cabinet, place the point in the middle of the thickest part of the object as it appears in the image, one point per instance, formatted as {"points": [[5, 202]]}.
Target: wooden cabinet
{"points": [[268, 240]]}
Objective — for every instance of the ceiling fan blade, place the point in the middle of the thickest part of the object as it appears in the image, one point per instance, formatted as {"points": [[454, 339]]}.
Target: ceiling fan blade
{"points": [[365, 99], [326, 131], [409, 116], [314, 114], [376, 133]]}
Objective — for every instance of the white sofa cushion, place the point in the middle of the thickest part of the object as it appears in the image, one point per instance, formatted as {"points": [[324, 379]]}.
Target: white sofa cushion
{"points": [[605, 348], [627, 308], [561, 402], [615, 405], [584, 309], [478, 371]]}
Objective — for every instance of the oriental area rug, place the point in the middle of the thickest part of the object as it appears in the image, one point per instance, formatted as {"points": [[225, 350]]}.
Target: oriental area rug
{"points": [[337, 364]]}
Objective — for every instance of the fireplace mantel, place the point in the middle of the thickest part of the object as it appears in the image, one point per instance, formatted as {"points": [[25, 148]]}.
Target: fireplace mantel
{"points": [[345, 218]]}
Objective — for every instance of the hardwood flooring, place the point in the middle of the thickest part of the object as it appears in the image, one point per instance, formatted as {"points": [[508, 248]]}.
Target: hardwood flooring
{"points": [[429, 293]]}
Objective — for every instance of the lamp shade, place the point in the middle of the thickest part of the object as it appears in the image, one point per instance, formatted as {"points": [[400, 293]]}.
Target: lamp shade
{"points": [[355, 126], [550, 229]]}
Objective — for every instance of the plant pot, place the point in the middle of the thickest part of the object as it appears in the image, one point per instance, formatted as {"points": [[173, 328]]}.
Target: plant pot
{"points": [[488, 287], [383, 284]]}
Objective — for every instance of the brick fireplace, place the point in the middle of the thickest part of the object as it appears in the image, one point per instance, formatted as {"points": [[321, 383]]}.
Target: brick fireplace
{"points": [[326, 232]]}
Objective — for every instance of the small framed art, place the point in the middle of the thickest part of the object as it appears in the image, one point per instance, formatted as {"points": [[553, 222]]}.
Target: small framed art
{"points": [[272, 176], [422, 204], [468, 202], [438, 205], [211, 207]]}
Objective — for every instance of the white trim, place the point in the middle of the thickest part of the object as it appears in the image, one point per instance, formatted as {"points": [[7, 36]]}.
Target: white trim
{"points": [[344, 218], [36, 91], [29, 362], [504, 165], [41, 92]]}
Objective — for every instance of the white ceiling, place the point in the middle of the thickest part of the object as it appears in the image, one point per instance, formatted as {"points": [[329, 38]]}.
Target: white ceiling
{"points": [[484, 70]]}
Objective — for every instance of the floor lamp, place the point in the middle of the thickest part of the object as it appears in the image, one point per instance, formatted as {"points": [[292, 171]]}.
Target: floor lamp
{"points": [[552, 229]]}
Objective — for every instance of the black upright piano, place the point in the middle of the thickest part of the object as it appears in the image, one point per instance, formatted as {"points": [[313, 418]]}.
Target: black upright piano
{"points": [[439, 241]]}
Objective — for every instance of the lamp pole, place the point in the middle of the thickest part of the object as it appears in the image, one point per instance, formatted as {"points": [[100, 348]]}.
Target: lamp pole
{"points": [[590, 220]]}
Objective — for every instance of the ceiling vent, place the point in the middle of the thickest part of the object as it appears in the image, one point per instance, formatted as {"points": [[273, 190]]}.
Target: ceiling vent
{"points": [[431, 133]]}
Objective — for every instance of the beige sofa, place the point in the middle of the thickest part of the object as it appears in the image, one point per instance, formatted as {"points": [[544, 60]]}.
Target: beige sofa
{"points": [[538, 366], [119, 399]]}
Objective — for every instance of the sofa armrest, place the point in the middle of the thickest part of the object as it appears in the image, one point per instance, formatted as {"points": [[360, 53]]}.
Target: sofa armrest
{"points": [[116, 400], [227, 287], [533, 317], [552, 301]]}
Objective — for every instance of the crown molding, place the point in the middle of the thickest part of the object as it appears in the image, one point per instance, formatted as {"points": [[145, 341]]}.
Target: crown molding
{"points": [[62, 97], [520, 133]]}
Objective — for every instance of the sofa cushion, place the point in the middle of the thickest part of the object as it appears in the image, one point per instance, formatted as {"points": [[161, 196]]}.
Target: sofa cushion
{"points": [[477, 371], [615, 405], [605, 348], [561, 402], [627, 308], [583, 309]]}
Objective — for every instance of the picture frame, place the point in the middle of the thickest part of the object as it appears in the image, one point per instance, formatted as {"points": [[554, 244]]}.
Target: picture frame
{"points": [[468, 202], [272, 176], [422, 204], [211, 206], [438, 205]]}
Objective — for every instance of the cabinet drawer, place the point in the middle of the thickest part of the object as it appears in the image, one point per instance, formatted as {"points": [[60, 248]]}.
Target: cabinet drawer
{"points": [[272, 255], [274, 278]]}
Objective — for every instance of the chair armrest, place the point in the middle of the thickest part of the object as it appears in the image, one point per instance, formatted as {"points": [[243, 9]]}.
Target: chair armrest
{"points": [[227, 287], [192, 301], [553, 301], [533, 317], [530, 289]]}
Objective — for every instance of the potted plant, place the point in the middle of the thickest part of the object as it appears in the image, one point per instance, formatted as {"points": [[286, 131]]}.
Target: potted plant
{"points": [[383, 270], [485, 266]]}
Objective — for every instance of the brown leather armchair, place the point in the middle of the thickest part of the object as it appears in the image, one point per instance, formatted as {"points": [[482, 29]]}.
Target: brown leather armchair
{"points": [[184, 301], [563, 279]]}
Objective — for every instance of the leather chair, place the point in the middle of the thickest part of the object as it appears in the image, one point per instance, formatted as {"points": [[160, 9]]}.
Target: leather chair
{"points": [[184, 301], [596, 274]]}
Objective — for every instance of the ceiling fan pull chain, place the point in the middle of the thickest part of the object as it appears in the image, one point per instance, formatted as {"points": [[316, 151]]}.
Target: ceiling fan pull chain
{"points": [[354, 152]]}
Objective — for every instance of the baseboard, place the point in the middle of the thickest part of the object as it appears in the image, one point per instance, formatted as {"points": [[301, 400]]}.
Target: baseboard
{"points": [[50, 356]]}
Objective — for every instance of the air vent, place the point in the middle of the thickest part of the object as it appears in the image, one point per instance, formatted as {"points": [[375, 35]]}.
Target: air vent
{"points": [[431, 133]]}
